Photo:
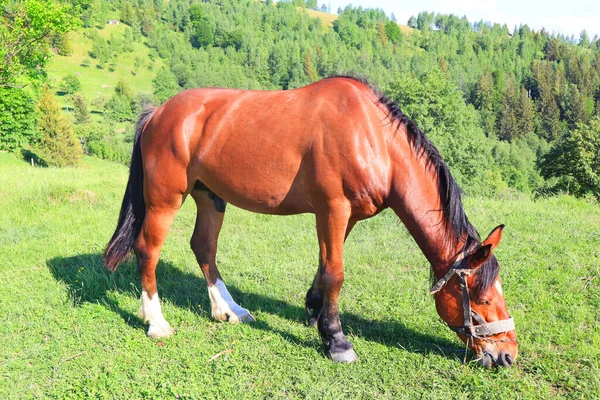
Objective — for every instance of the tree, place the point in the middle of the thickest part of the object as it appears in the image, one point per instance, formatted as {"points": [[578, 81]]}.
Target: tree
{"points": [[80, 109], [393, 32], [70, 84], [575, 160], [436, 105], [309, 67], [120, 106], [58, 146], [484, 100], [525, 114], [165, 85], [24, 28], [17, 118], [61, 44], [203, 35], [508, 123]]}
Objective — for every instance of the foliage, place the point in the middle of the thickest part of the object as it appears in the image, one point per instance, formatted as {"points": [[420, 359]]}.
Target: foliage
{"points": [[70, 84], [17, 119], [165, 85], [24, 28], [576, 160], [80, 109], [438, 108], [61, 44], [521, 83], [58, 146], [121, 106], [110, 150], [517, 161]]}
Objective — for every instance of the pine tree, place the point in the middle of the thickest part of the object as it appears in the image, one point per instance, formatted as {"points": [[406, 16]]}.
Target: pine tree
{"points": [[484, 100], [508, 124], [80, 109], [525, 114], [58, 146], [309, 67]]}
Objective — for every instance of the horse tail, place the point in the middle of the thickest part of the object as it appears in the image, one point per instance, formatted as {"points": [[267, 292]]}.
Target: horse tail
{"points": [[133, 208]]}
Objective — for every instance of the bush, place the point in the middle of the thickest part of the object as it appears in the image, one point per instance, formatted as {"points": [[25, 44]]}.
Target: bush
{"points": [[90, 132], [111, 151]]}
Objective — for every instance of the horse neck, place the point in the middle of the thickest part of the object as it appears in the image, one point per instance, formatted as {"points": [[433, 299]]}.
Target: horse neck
{"points": [[415, 198]]}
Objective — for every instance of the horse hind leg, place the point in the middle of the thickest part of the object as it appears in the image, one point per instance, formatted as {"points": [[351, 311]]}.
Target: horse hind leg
{"points": [[147, 249], [204, 244]]}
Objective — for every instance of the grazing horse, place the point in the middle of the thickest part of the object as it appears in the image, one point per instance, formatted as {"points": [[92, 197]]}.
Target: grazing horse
{"points": [[337, 148]]}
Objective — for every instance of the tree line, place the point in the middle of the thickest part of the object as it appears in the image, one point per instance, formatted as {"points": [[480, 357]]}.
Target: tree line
{"points": [[510, 109]]}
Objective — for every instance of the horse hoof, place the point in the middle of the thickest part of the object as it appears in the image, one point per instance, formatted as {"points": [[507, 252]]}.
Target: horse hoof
{"points": [[346, 356], [246, 318], [162, 330], [312, 321], [232, 317]]}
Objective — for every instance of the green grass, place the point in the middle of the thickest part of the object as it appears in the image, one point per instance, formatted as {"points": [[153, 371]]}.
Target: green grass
{"points": [[69, 329], [97, 82]]}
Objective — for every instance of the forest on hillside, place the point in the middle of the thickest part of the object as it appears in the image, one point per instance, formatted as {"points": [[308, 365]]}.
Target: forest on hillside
{"points": [[512, 110]]}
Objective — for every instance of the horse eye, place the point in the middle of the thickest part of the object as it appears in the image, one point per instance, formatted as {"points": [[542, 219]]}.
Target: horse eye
{"points": [[485, 302]]}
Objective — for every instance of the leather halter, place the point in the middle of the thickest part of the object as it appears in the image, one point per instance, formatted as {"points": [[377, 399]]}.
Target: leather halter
{"points": [[483, 329]]}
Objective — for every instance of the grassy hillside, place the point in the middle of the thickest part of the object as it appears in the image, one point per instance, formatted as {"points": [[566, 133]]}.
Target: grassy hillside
{"points": [[96, 82], [70, 329]]}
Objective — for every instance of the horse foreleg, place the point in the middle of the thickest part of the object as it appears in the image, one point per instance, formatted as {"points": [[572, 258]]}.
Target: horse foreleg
{"points": [[147, 249], [332, 226], [314, 296], [204, 244]]}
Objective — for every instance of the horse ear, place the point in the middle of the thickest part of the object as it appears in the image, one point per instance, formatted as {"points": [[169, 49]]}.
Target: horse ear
{"points": [[484, 252], [494, 237], [479, 257]]}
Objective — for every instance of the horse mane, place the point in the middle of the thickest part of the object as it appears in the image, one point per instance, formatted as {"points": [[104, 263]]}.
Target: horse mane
{"points": [[453, 214]]}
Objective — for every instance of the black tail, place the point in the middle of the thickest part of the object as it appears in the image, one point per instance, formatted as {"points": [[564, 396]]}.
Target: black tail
{"points": [[133, 208]]}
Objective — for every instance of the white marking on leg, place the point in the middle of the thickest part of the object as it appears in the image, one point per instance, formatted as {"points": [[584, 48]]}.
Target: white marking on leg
{"points": [[223, 307], [151, 312], [499, 287]]}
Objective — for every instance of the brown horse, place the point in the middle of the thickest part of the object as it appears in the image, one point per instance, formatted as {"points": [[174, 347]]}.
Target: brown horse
{"points": [[337, 148]]}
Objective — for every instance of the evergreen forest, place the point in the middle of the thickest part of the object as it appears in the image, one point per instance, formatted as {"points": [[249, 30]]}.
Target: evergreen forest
{"points": [[513, 111]]}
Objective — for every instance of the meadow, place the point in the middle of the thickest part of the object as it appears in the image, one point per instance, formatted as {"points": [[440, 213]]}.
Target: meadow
{"points": [[70, 329]]}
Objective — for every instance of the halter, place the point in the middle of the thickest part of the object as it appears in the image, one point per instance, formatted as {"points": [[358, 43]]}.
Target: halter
{"points": [[484, 328]]}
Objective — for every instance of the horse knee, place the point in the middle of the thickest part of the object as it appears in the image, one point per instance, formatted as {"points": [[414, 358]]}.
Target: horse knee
{"points": [[202, 248], [332, 280]]}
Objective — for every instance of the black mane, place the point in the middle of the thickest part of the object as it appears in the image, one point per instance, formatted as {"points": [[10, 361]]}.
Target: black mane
{"points": [[453, 215]]}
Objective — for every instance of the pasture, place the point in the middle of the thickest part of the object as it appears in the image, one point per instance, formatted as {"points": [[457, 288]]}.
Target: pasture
{"points": [[70, 329]]}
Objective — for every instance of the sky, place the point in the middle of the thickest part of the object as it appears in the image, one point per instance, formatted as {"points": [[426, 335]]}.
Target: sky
{"points": [[568, 17]]}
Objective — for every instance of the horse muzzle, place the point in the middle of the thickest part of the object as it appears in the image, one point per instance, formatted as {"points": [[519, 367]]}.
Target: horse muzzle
{"points": [[501, 359]]}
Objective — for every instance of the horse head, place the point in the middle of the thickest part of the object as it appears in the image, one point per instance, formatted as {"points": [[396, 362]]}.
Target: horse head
{"points": [[473, 304]]}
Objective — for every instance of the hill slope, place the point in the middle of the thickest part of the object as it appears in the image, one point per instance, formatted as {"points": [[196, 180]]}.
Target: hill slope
{"points": [[100, 82]]}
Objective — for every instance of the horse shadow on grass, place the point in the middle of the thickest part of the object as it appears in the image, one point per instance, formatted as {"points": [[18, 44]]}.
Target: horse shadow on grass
{"points": [[88, 281]]}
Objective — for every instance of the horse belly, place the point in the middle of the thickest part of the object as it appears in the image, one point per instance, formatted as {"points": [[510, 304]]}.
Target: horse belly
{"points": [[267, 183]]}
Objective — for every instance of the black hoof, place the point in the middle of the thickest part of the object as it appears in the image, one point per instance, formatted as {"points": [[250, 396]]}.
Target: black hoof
{"points": [[347, 356]]}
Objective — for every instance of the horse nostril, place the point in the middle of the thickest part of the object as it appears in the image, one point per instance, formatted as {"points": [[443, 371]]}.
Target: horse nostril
{"points": [[508, 360]]}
